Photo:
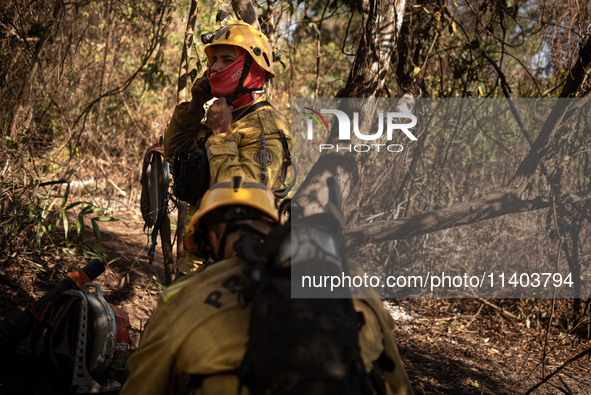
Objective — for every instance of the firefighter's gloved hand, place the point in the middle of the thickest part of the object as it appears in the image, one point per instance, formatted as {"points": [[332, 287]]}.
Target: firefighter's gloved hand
{"points": [[201, 93], [219, 117]]}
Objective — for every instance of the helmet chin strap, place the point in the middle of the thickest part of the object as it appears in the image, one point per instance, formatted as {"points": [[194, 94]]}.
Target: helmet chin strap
{"points": [[241, 89]]}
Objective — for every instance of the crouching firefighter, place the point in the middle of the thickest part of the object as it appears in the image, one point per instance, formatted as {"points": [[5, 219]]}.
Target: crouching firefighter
{"points": [[234, 327], [243, 131]]}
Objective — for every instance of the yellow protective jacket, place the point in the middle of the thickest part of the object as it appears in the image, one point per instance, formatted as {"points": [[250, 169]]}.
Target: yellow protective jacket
{"points": [[199, 328], [229, 152], [238, 150]]}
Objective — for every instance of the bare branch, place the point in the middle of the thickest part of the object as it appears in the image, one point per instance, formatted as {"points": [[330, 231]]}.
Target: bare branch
{"points": [[564, 365], [189, 39], [580, 73], [495, 205], [246, 11]]}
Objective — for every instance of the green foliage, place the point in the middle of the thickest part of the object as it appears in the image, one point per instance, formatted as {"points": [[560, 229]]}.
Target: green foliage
{"points": [[220, 15], [78, 227], [154, 75], [28, 219], [94, 251]]}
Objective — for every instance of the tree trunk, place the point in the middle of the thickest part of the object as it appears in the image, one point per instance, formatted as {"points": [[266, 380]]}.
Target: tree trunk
{"points": [[184, 68], [494, 205], [181, 97], [366, 80], [505, 201]]}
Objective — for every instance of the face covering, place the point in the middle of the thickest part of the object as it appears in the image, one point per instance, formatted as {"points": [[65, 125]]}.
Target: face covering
{"points": [[225, 82]]}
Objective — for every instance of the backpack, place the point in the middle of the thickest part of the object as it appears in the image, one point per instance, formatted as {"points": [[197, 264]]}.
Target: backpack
{"points": [[152, 205], [191, 172], [305, 345]]}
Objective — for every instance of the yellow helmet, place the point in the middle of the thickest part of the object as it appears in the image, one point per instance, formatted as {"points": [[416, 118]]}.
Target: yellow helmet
{"points": [[243, 35], [239, 190]]}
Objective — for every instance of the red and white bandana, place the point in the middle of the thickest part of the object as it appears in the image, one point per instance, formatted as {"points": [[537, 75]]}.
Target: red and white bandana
{"points": [[225, 82]]}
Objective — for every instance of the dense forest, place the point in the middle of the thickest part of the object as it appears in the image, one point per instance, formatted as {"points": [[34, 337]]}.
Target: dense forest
{"points": [[87, 86]]}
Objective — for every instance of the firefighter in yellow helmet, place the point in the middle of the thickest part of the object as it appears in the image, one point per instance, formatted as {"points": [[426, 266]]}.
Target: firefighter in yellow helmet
{"points": [[248, 133], [227, 210], [200, 327]]}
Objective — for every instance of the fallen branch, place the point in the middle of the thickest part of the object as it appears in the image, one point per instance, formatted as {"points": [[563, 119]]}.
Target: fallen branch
{"points": [[564, 365], [503, 311], [121, 191], [495, 205]]}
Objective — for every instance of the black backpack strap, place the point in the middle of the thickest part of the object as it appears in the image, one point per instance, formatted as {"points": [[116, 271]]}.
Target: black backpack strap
{"points": [[162, 210], [241, 89], [50, 319], [383, 363], [203, 140], [149, 188], [196, 380], [253, 108], [282, 192], [263, 158]]}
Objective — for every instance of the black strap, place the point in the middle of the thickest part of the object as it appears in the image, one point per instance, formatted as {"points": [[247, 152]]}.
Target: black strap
{"points": [[163, 209], [383, 363], [203, 140], [282, 192], [231, 227], [253, 108], [263, 158], [43, 320], [50, 318], [196, 380], [241, 89]]}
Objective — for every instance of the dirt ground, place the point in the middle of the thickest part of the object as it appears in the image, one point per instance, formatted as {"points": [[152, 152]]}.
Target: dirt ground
{"points": [[447, 346]]}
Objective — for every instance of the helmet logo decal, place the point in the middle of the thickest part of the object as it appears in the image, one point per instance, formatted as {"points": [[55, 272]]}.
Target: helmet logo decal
{"points": [[257, 157]]}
